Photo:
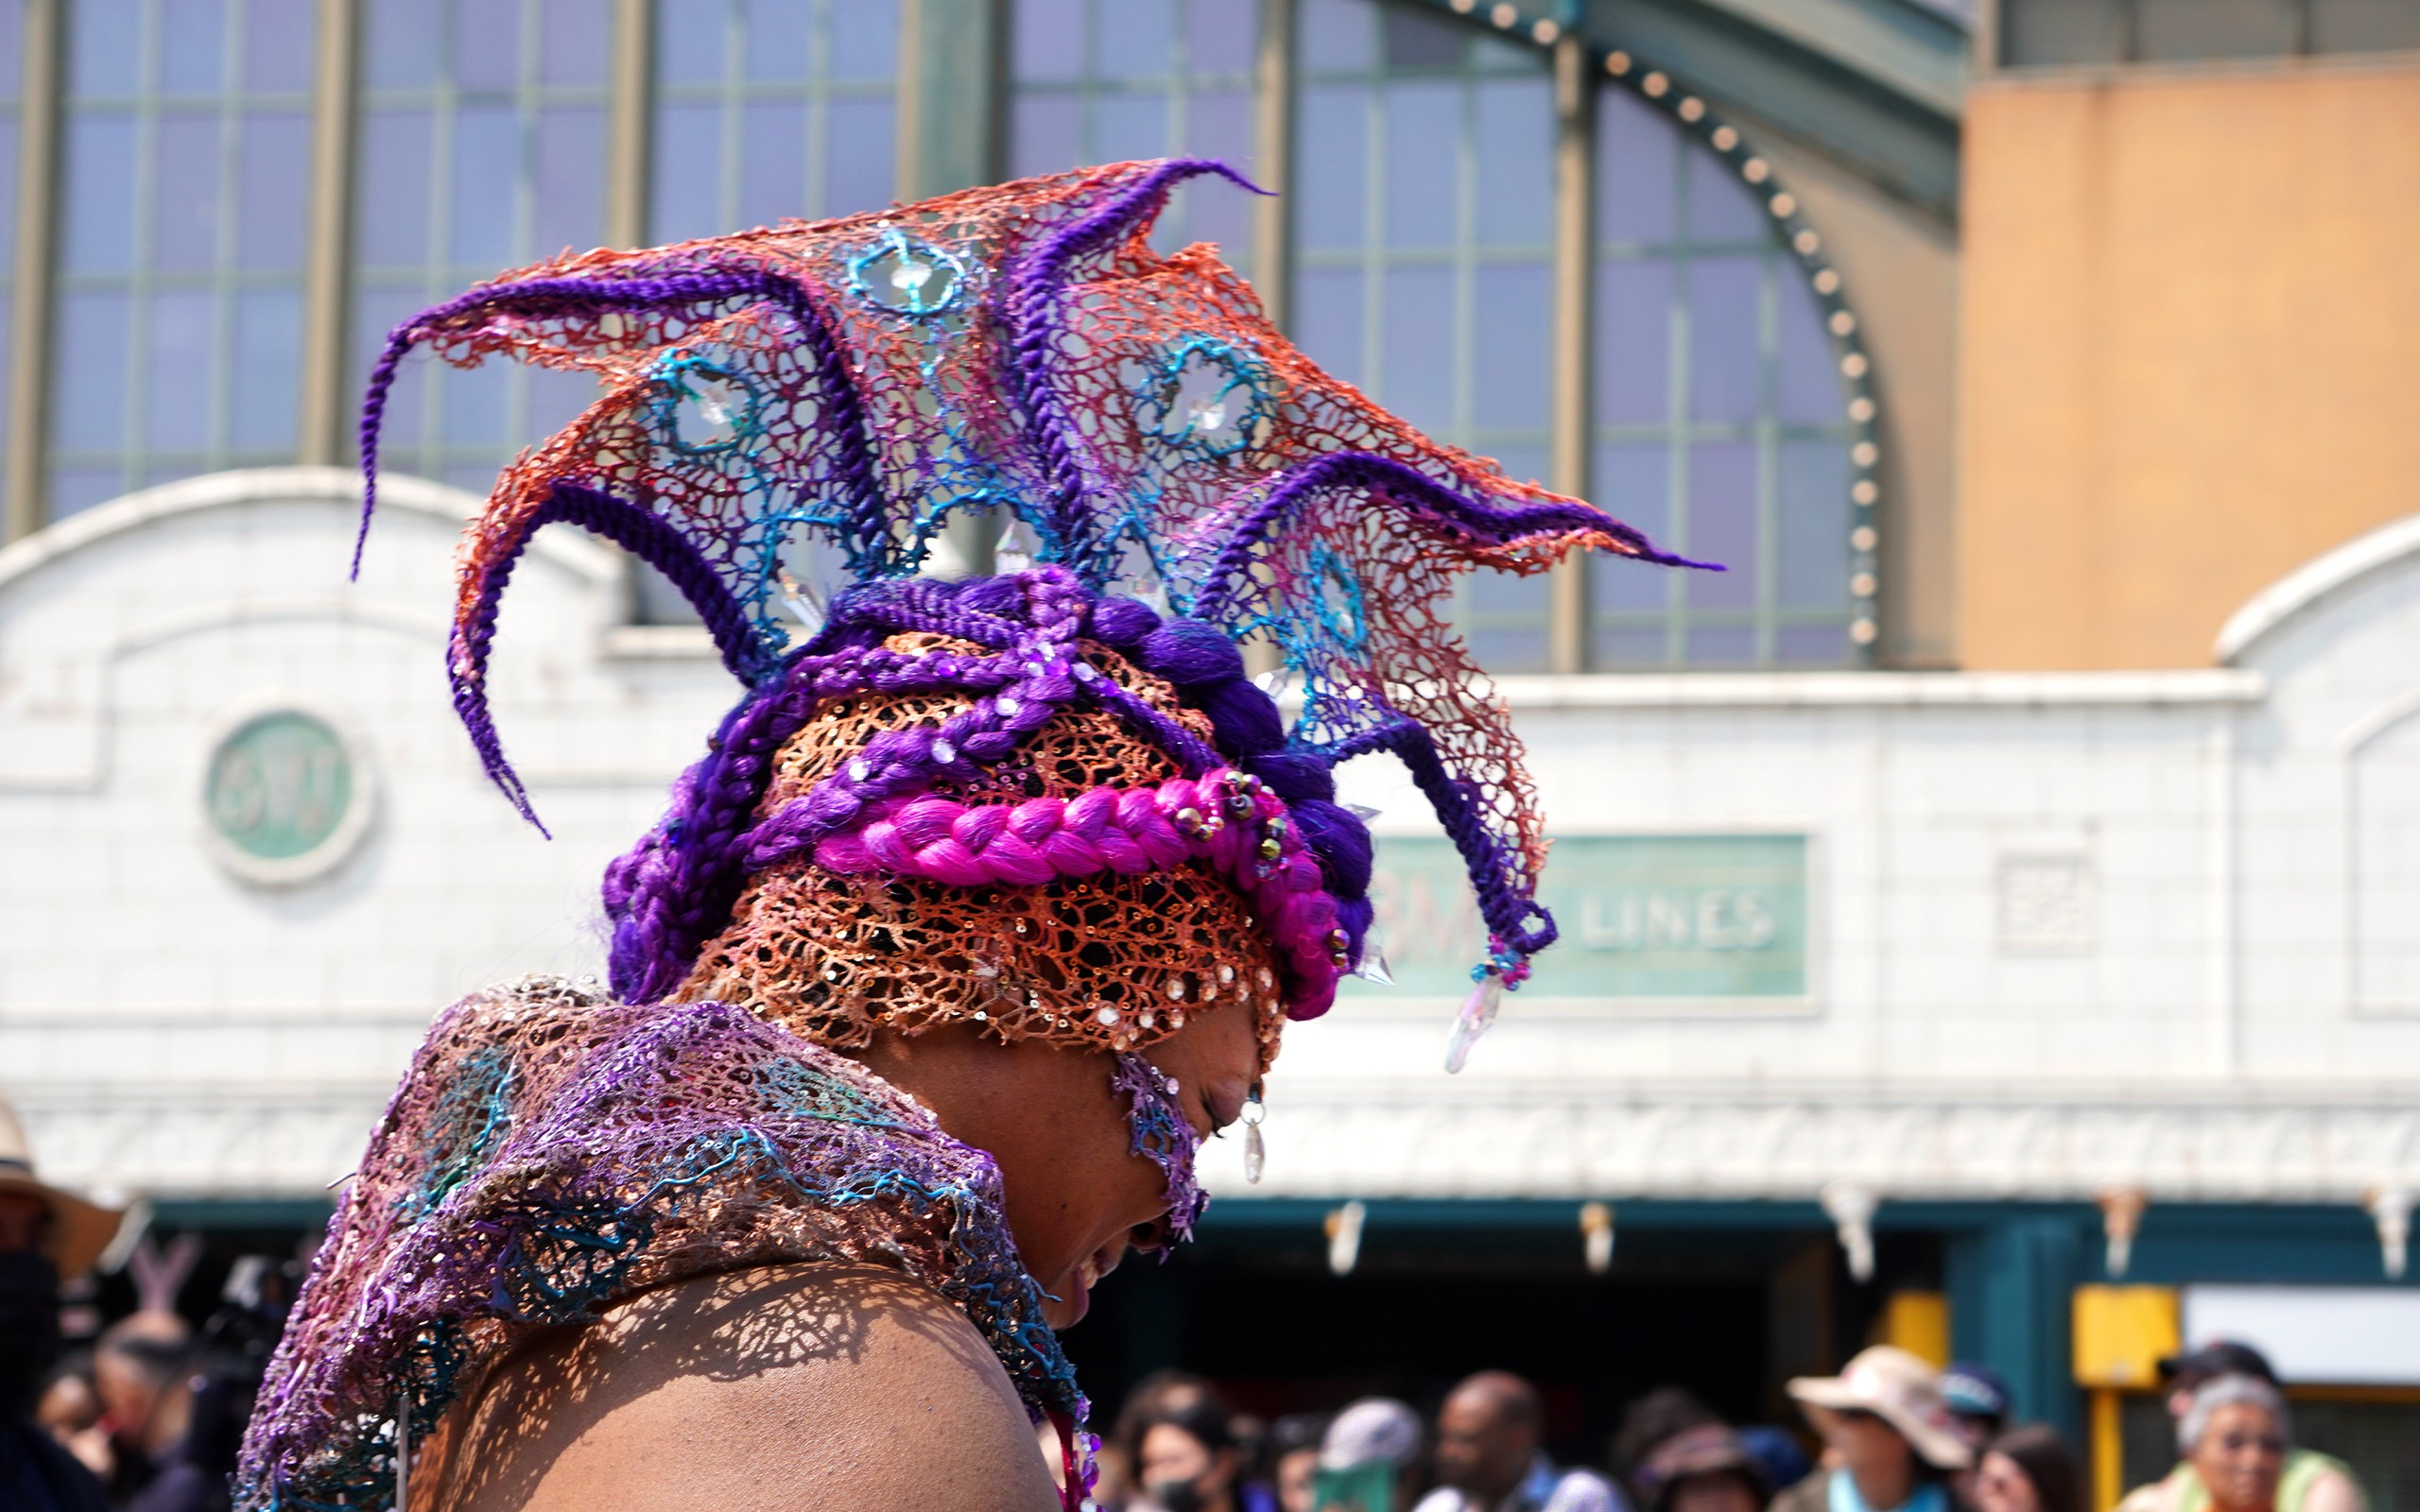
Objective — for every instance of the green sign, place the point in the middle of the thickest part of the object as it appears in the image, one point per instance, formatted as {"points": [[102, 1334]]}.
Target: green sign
{"points": [[1643, 916], [280, 785]]}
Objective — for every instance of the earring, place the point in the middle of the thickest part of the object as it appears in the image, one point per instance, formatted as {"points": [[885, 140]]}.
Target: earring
{"points": [[1256, 1153]]}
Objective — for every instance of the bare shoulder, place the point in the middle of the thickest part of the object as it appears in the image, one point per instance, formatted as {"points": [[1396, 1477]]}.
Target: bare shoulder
{"points": [[799, 1387], [2332, 1490]]}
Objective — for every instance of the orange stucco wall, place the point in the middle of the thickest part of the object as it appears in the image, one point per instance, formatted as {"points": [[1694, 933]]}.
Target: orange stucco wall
{"points": [[2191, 360]]}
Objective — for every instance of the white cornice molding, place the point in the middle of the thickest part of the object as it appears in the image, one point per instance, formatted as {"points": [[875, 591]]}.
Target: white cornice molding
{"points": [[279, 485], [2313, 584], [2330, 1147], [1803, 690]]}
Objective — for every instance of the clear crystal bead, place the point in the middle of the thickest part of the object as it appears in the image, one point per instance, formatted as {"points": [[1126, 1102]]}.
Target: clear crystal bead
{"points": [[1477, 1015], [1256, 1153]]}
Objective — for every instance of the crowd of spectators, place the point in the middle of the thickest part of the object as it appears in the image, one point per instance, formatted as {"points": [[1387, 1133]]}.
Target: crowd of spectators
{"points": [[148, 1420], [1891, 1433]]}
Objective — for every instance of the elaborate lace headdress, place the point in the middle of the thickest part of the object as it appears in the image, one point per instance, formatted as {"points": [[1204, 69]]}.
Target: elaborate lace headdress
{"points": [[914, 760]]}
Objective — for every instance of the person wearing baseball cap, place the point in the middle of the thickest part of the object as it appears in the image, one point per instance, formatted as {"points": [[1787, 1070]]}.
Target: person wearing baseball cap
{"points": [[2309, 1480], [1890, 1439], [45, 1234]]}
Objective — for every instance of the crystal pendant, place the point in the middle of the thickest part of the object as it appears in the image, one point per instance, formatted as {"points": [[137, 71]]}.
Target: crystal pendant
{"points": [[1361, 811], [1478, 1012], [1373, 967], [1256, 1153]]}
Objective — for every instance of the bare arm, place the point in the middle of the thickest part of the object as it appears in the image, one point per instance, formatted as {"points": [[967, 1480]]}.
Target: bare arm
{"points": [[799, 1387]]}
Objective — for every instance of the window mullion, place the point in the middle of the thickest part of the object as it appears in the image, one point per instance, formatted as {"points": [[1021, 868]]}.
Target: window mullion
{"points": [[1573, 404]]}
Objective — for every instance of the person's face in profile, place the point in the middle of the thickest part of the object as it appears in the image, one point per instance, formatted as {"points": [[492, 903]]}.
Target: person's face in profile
{"points": [[1722, 1491]]}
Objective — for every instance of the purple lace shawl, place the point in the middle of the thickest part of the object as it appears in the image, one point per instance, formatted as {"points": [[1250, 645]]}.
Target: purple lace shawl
{"points": [[551, 1152]]}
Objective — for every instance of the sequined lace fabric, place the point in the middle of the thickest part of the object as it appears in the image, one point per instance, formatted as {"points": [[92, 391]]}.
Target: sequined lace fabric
{"points": [[552, 1152], [1110, 961]]}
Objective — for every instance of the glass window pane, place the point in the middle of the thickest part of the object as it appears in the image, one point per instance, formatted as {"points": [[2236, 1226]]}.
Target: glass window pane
{"points": [[772, 155], [487, 152], [486, 52], [177, 369], [1425, 176], [2061, 32], [191, 58], [1424, 168], [1812, 571], [691, 37], [865, 41], [1721, 208], [791, 117], [99, 200], [858, 170], [1051, 40], [280, 45], [1634, 342], [272, 197], [2183, 30], [1726, 359], [393, 193], [1330, 207], [267, 360], [91, 392], [184, 177], [2363, 26], [1751, 468], [180, 313], [575, 39], [100, 64], [1110, 80], [1638, 157]]}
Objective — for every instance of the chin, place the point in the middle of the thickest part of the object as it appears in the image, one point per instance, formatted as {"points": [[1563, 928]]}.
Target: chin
{"points": [[1065, 1305]]}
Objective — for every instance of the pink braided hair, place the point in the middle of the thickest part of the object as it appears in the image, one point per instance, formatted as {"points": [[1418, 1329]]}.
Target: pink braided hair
{"points": [[1225, 818]]}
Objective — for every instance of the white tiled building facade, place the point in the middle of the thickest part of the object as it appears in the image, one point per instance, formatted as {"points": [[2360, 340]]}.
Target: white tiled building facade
{"points": [[2048, 934]]}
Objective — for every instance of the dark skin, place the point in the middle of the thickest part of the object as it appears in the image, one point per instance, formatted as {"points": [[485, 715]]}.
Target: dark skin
{"points": [[806, 1387], [1487, 1433]]}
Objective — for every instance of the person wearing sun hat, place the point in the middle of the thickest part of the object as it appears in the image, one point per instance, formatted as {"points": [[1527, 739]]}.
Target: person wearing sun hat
{"points": [[1889, 1437], [45, 1234]]}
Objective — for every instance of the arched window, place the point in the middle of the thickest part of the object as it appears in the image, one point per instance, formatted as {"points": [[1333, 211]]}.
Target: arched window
{"points": [[1109, 80], [766, 110], [184, 196], [483, 138], [1721, 427], [1420, 228], [1423, 215]]}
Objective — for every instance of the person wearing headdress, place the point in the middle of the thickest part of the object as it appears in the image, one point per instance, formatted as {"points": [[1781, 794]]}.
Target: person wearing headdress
{"points": [[985, 903]]}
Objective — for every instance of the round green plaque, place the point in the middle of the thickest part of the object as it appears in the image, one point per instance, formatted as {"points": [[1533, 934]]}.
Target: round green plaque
{"points": [[283, 796]]}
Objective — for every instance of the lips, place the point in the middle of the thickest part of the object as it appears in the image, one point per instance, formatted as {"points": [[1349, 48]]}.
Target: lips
{"points": [[1090, 1270]]}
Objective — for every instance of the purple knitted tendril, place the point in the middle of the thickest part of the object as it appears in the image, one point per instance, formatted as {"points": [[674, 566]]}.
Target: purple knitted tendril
{"points": [[1163, 1136]]}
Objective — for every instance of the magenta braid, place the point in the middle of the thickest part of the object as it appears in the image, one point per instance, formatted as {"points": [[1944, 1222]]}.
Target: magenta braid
{"points": [[1225, 818]]}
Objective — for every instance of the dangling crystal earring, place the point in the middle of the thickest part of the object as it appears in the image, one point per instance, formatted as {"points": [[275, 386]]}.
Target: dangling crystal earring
{"points": [[1256, 1153]]}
